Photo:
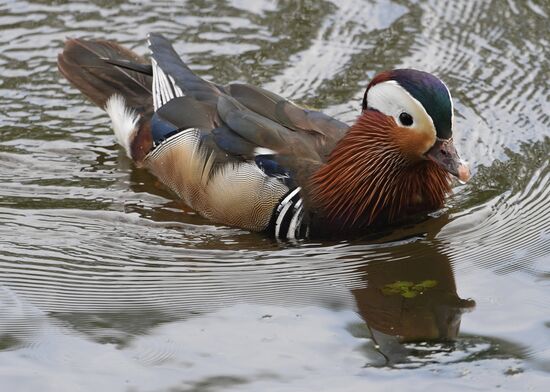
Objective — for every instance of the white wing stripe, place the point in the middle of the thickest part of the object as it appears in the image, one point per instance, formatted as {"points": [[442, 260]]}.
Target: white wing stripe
{"points": [[166, 90], [156, 94], [177, 90], [164, 87]]}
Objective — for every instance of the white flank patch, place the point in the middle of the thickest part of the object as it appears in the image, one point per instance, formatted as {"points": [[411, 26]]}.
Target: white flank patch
{"points": [[124, 121]]}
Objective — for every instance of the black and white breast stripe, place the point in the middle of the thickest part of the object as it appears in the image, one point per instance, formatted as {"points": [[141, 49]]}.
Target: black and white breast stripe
{"points": [[164, 87], [289, 216]]}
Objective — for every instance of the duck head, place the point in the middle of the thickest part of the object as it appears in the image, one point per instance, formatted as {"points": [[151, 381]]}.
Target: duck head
{"points": [[396, 160], [421, 108]]}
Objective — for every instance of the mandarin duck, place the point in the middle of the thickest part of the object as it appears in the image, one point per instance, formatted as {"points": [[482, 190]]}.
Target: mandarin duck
{"points": [[246, 157]]}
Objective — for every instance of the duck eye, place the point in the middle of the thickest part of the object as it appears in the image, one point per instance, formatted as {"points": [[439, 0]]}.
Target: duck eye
{"points": [[405, 119]]}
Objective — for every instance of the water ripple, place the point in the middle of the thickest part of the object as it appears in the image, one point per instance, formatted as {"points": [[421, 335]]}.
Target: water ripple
{"points": [[101, 266]]}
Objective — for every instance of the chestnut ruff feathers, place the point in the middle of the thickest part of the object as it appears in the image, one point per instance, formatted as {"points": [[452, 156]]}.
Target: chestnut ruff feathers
{"points": [[367, 178]]}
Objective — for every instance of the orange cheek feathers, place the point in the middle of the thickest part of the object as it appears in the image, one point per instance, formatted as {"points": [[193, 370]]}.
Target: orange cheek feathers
{"points": [[412, 144]]}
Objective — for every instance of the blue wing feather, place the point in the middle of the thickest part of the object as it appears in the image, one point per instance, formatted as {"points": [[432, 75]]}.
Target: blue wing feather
{"points": [[161, 129]]}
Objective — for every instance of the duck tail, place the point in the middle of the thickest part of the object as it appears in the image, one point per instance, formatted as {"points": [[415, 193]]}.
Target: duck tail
{"points": [[117, 80], [94, 67]]}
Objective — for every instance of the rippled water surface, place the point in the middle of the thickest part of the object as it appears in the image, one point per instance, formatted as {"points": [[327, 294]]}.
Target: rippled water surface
{"points": [[107, 282]]}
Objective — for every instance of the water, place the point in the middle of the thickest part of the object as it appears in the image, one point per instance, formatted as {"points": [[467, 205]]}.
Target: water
{"points": [[107, 282]]}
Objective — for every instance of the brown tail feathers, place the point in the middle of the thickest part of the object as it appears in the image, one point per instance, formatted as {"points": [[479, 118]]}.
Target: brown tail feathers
{"points": [[83, 63]]}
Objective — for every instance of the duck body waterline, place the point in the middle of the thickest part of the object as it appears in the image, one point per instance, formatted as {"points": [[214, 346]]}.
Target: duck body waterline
{"points": [[246, 157]]}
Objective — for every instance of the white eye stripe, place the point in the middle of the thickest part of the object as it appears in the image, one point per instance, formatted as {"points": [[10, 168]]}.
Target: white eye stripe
{"points": [[392, 100]]}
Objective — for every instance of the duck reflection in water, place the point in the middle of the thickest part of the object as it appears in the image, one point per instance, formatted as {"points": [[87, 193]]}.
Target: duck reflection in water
{"points": [[411, 298]]}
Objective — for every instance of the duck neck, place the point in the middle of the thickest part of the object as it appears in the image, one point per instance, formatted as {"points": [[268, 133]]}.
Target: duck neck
{"points": [[367, 180]]}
